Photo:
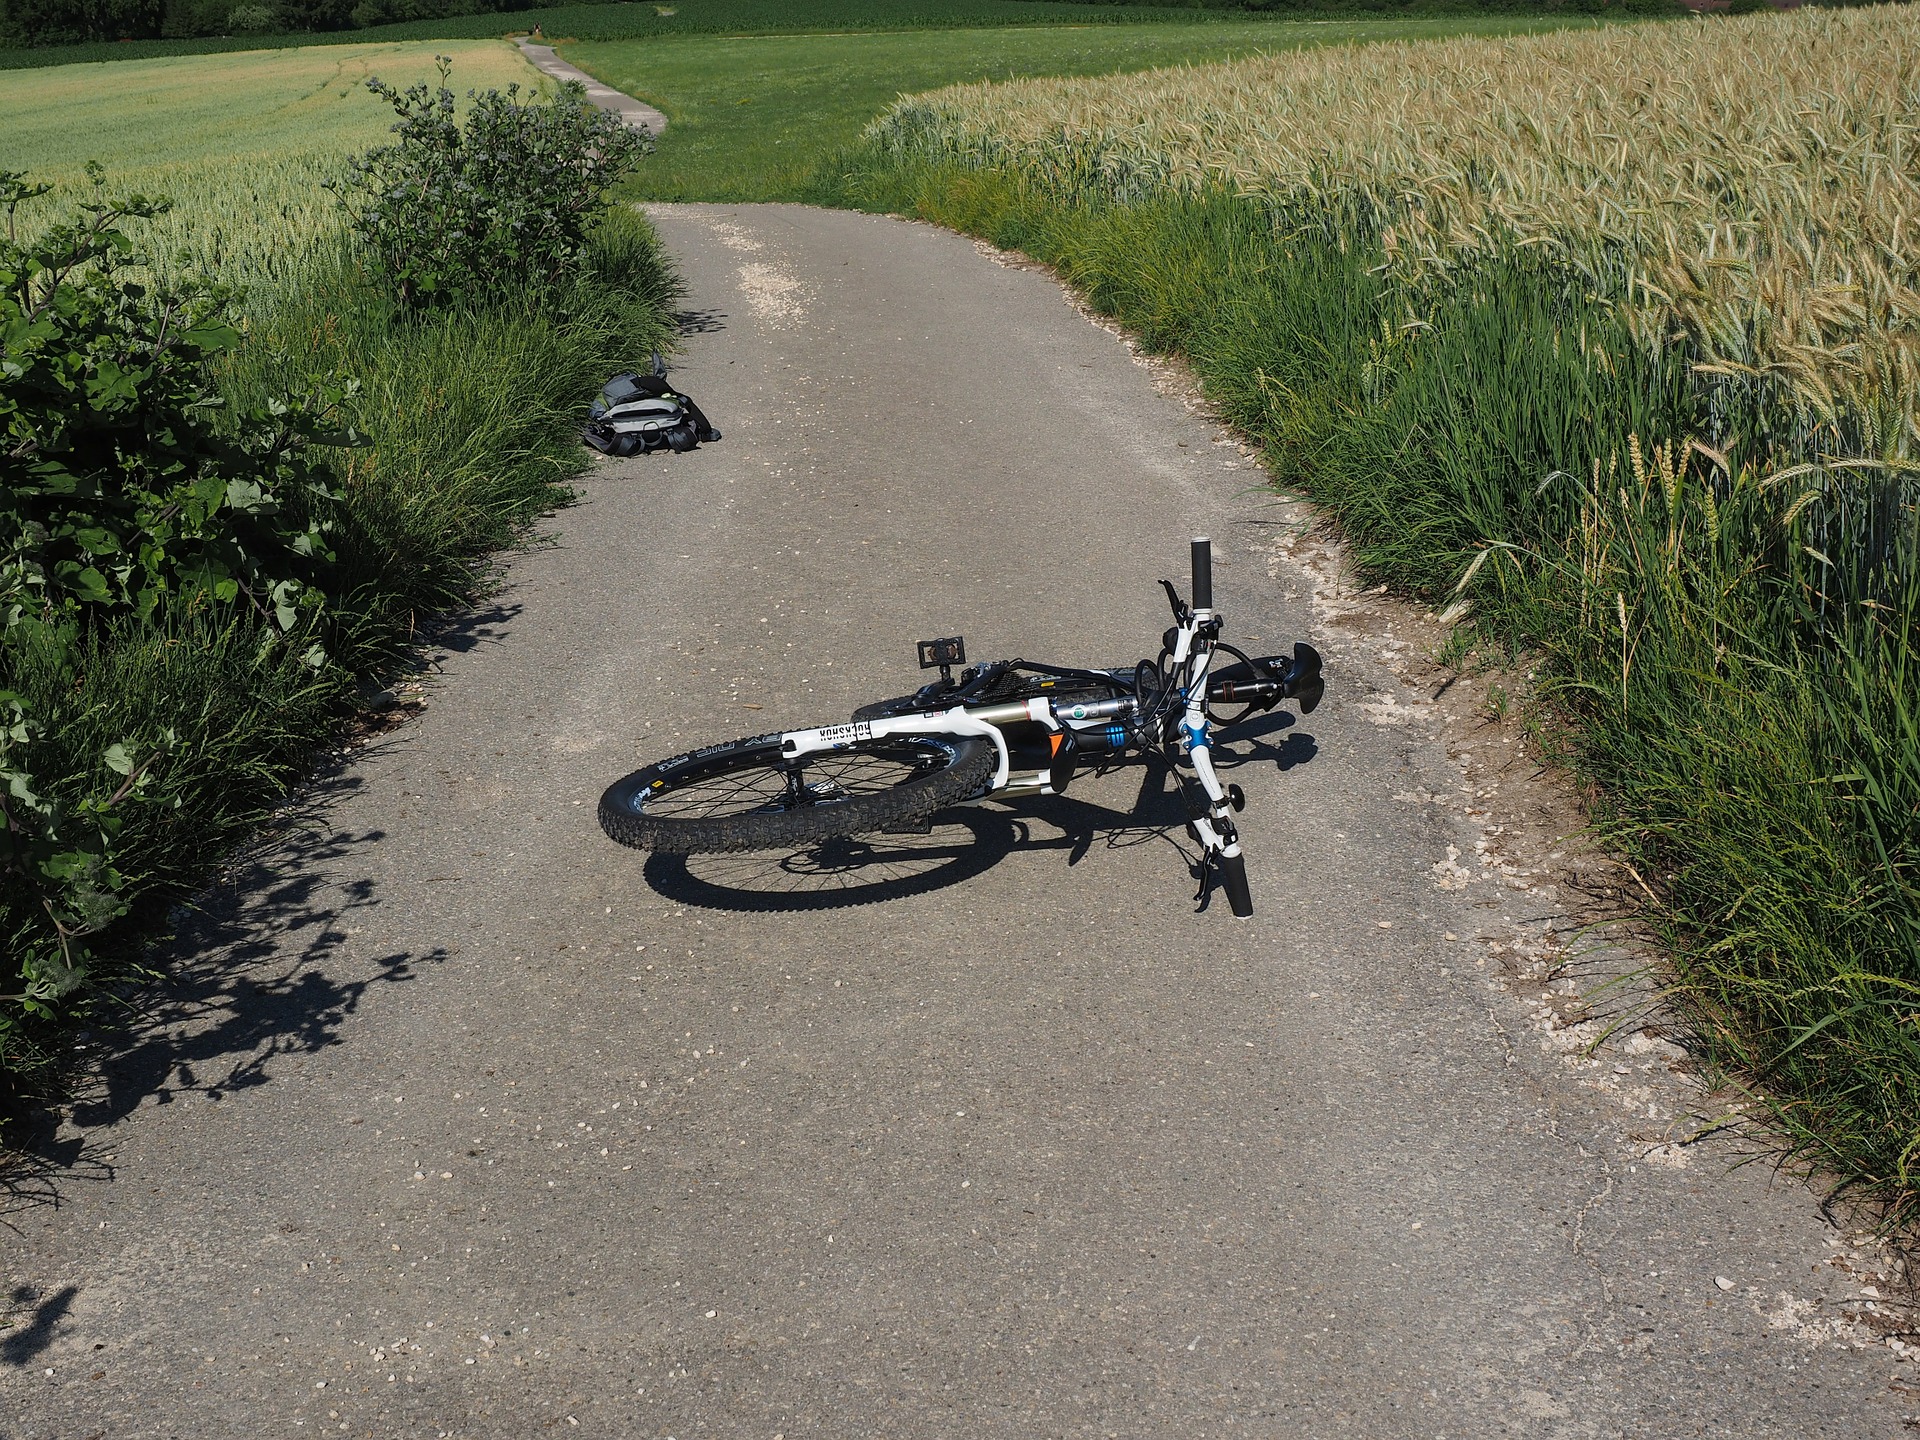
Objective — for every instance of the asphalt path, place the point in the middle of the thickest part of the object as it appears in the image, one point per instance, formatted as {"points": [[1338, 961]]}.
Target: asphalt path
{"points": [[636, 113], [469, 1122]]}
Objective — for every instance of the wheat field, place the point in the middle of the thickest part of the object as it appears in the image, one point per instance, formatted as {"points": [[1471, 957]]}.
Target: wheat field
{"points": [[1751, 183], [239, 142]]}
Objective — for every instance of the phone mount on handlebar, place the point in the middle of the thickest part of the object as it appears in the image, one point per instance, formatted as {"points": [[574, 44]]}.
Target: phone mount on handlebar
{"points": [[943, 654]]}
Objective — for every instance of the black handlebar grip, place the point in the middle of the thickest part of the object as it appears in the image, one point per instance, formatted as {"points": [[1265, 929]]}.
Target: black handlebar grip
{"points": [[1202, 549], [1233, 869]]}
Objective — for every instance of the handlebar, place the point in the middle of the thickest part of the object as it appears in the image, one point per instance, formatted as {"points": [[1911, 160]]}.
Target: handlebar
{"points": [[1265, 682], [1202, 551]]}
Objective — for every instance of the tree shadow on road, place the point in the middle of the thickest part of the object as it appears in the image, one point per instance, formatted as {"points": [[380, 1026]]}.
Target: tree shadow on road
{"points": [[699, 322], [262, 968], [26, 1337], [962, 844]]}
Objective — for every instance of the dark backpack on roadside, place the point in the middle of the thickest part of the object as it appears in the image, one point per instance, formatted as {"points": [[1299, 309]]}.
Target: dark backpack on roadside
{"points": [[639, 413]]}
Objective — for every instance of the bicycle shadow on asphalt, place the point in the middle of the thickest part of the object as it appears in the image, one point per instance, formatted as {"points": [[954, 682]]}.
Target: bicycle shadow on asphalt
{"points": [[963, 843]]}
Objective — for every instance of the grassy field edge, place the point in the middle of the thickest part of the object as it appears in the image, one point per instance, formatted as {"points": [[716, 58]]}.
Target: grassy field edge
{"points": [[471, 417], [753, 118], [1716, 756]]}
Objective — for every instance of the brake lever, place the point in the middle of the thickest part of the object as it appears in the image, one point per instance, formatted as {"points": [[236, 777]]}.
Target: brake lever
{"points": [[1180, 611], [1205, 892]]}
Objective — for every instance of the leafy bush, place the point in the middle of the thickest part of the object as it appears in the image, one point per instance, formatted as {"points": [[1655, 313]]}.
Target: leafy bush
{"points": [[500, 209], [390, 12], [153, 745], [253, 19], [317, 14], [127, 490], [125, 480]]}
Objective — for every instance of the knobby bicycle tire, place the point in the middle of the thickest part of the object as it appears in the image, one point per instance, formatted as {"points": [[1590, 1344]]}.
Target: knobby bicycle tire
{"points": [[910, 776]]}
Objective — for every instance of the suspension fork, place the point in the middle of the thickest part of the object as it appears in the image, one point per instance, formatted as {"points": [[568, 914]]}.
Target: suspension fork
{"points": [[1192, 654]]}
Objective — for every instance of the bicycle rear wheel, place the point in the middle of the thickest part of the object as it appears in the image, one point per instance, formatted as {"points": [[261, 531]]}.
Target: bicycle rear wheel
{"points": [[746, 795]]}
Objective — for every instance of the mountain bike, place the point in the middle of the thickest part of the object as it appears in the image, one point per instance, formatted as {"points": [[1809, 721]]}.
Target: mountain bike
{"points": [[1006, 728]]}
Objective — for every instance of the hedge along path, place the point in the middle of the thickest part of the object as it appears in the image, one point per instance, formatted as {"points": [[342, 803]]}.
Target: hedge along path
{"points": [[636, 113]]}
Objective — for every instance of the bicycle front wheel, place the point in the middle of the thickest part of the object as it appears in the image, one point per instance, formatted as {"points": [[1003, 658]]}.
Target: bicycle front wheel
{"points": [[746, 795]]}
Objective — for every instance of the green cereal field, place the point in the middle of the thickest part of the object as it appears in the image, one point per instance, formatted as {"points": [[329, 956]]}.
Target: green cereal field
{"points": [[239, 142]]}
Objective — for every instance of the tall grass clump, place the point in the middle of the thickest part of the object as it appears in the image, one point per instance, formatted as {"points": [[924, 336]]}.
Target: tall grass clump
{"points": [[1609, 343], [147, 723]]}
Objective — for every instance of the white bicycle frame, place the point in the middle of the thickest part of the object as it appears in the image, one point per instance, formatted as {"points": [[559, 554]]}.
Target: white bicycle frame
{"points": [[1215, 828], [983, 720], [1192, 655]]}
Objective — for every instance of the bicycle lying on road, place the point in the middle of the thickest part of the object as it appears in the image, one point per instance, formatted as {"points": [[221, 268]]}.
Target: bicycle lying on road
{"points": [[1003, 729]]}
